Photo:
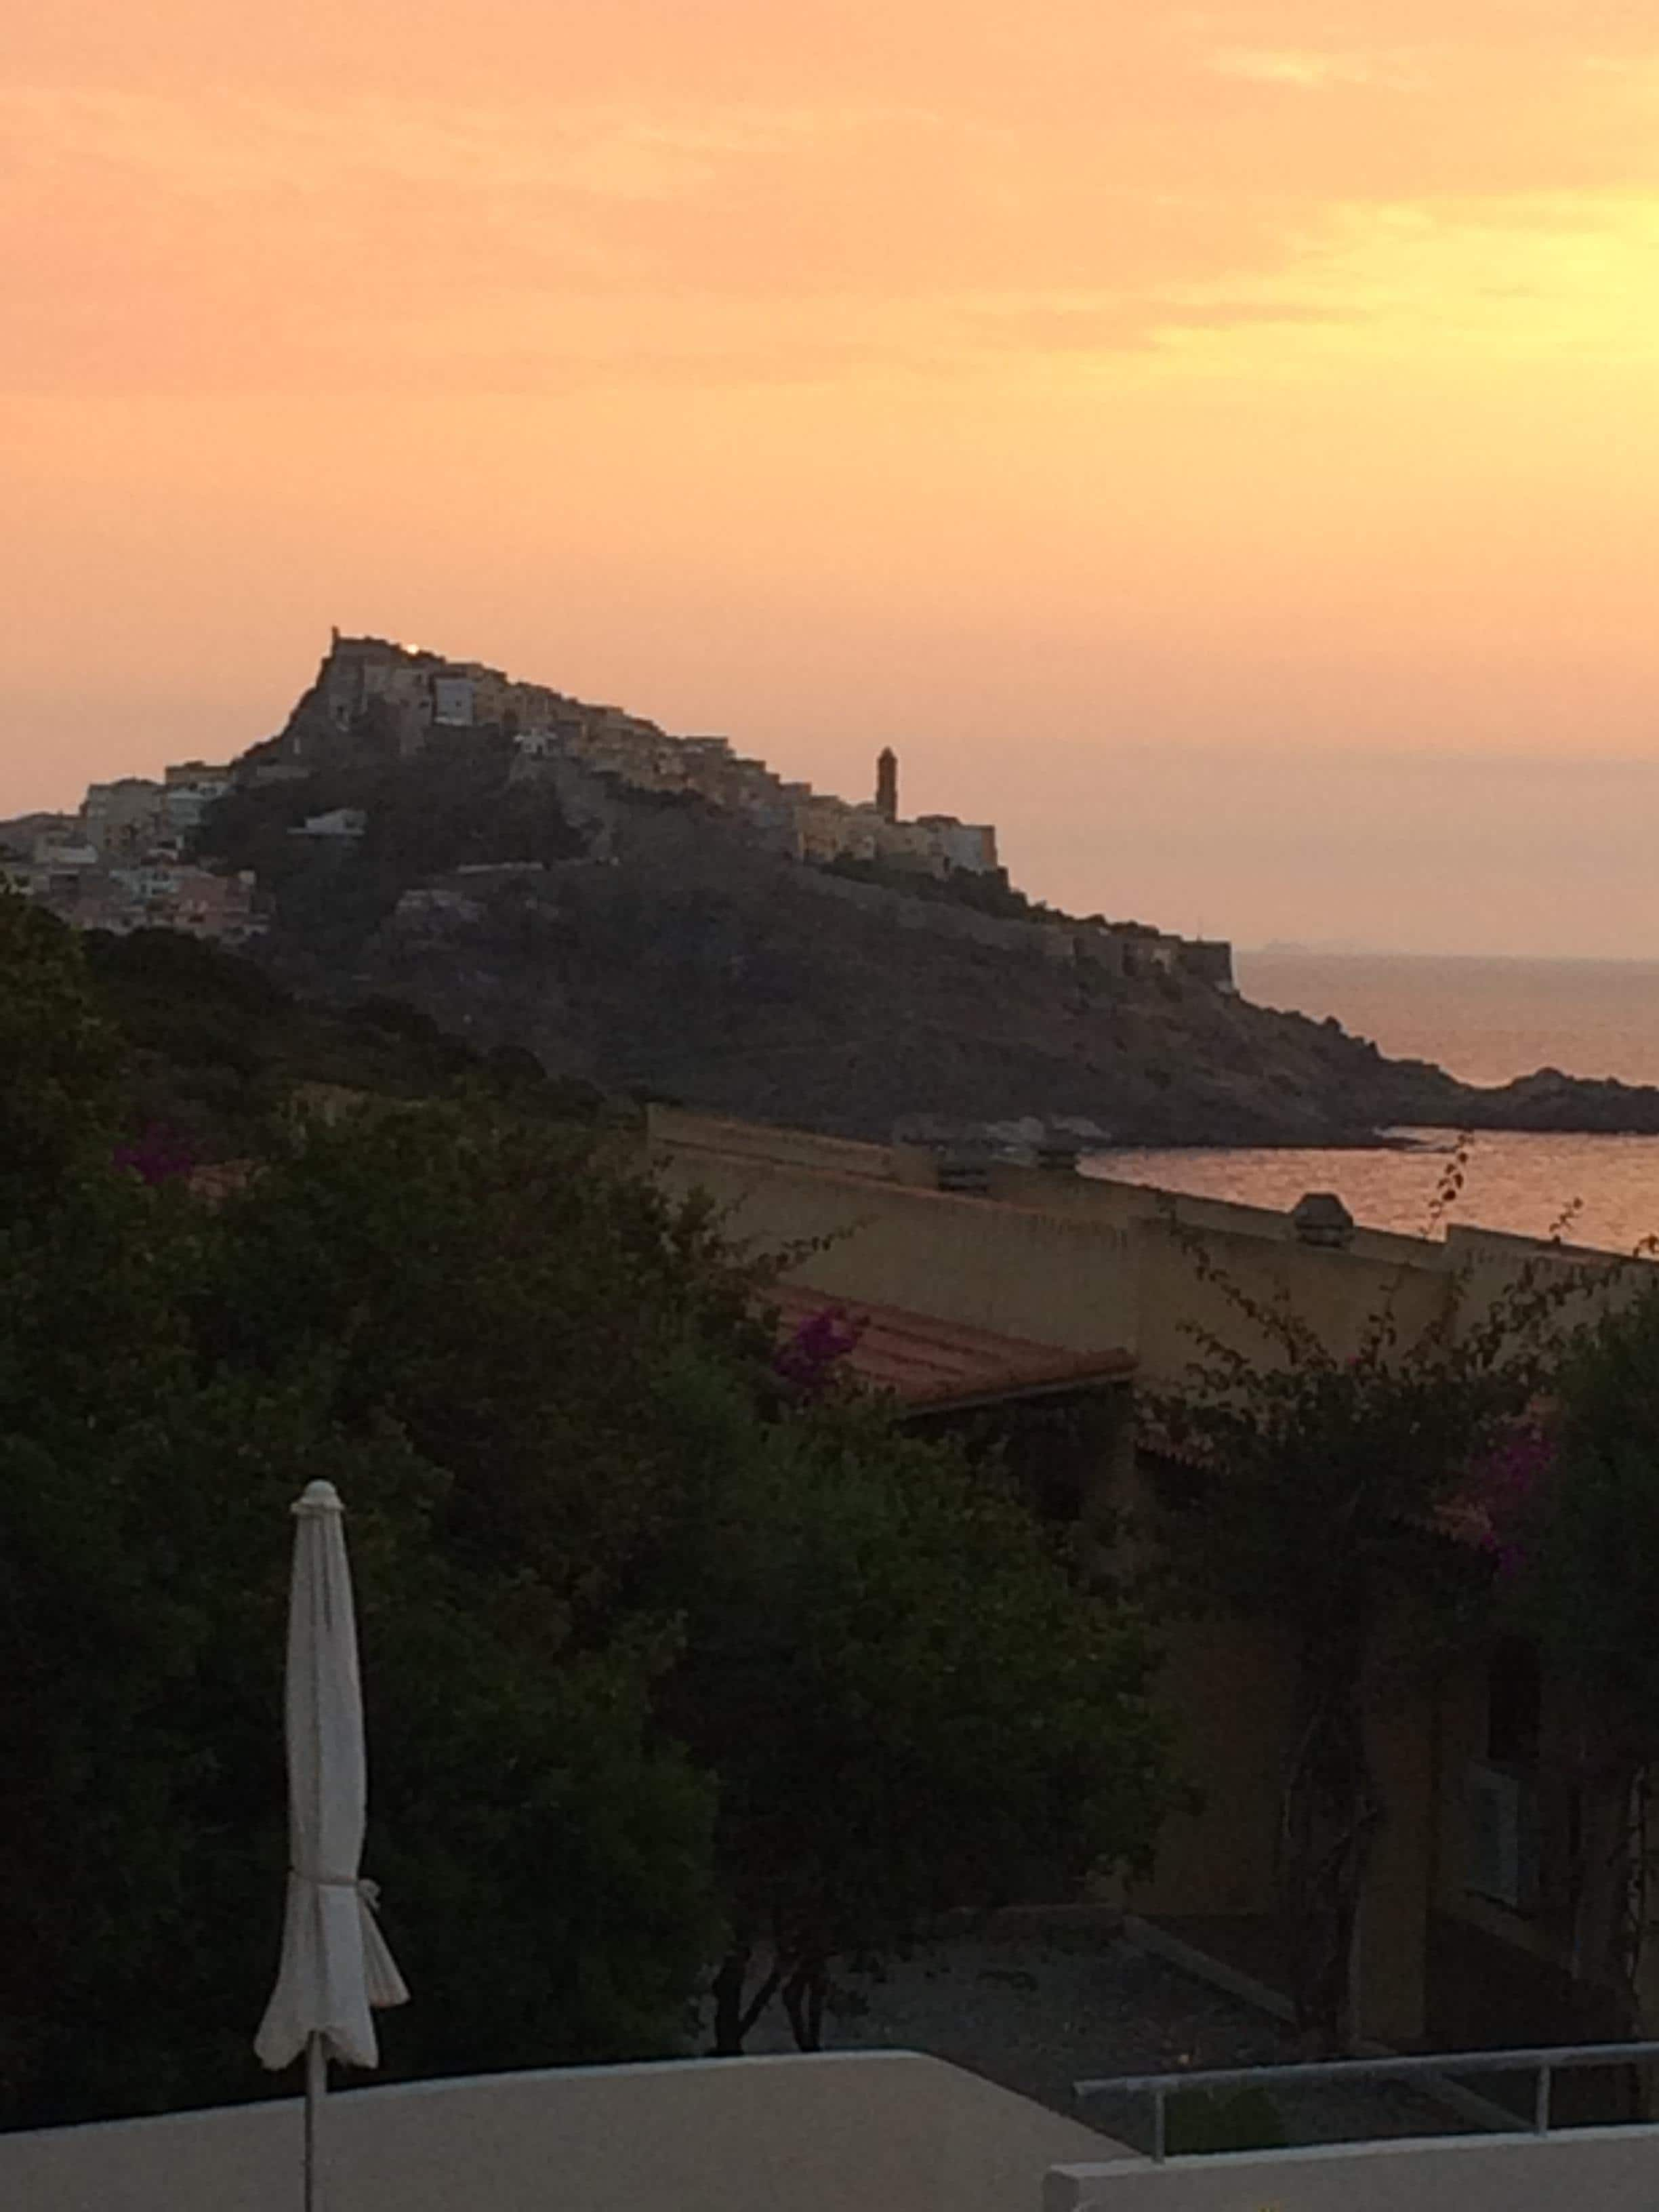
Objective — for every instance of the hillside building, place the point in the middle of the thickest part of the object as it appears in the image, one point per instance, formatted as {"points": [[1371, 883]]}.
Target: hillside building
{"points": [[124, 818], [122, 864], [187, 792]]}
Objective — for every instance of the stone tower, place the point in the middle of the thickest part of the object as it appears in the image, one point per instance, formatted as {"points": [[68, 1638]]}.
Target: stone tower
{"points": [[887, 784]]}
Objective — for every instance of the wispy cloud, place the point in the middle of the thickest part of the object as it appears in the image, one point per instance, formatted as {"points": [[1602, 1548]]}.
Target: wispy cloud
{"points": [[257, 145], [161, 241], [1312, 70]]}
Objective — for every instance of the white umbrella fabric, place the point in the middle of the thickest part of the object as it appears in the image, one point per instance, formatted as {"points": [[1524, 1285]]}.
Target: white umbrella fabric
{"points": [[335, 1963]]}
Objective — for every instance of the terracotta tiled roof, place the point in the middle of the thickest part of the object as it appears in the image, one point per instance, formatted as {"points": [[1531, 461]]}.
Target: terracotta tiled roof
{"points": [[934, 1364]]}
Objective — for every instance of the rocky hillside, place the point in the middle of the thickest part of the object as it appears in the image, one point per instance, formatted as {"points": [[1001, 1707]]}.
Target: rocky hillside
{"points": [[644, 945]]}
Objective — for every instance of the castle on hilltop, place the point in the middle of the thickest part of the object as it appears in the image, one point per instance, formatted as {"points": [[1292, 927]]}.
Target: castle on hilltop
{"points": [[408, 696]]}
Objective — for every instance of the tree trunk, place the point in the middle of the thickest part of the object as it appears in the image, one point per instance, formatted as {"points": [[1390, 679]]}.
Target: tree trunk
{"points": [[1329, 1818], [804, 1996], [733, 2016], [728, 2004], [1638, 1870]]}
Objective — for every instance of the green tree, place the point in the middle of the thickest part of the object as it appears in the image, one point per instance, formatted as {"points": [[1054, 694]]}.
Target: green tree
{"points": [[1580, 1544], [913, 1704], [510, 1297], [907, 1701], [628, 1604], [1320, 1481], [546, 1850], [59, 1056]]}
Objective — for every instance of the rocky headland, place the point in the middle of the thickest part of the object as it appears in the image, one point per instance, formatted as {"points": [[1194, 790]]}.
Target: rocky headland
{"points": [[647, 944]]}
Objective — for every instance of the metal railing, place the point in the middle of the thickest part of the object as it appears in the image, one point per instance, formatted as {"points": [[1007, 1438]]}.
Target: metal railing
{"points": [[1544, 2064]]}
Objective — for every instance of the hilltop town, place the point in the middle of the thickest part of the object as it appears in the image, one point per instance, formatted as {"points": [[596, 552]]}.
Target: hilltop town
{"points": [[374, 695], [408, 695], [659, 916], [129, 858]]}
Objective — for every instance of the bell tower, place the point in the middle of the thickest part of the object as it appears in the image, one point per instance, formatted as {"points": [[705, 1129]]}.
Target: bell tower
{"points": [[887, 784]]}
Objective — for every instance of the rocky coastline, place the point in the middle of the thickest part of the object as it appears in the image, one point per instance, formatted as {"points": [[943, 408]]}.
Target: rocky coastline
{"points": [[673, 960]]}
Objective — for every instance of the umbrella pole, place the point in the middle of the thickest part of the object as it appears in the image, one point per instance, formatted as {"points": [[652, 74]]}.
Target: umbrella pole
{"points": [[316, 2089]]}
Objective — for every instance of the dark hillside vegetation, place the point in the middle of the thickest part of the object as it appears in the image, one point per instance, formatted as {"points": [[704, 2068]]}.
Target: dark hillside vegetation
{"points": [[213, 1050], [452, 803], [666, 954], [648, 943]]}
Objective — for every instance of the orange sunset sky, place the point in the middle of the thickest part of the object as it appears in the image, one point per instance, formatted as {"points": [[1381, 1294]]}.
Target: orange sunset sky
{"points": [[1220, 445]]}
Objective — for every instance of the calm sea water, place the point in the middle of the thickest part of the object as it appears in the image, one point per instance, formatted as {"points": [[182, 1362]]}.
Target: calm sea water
{"points": [[1484, 1020]]}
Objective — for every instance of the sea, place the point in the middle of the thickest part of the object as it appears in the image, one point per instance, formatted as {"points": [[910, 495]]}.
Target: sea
{"points": [[1486, 1021]]}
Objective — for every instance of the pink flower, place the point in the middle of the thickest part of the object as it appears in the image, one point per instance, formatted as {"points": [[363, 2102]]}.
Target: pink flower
{"points": [[1502, 1494], [808, 1360], [157, 1155]]}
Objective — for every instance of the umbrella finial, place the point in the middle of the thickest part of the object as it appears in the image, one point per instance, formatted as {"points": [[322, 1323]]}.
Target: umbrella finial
{"points": [[319, 1497]]}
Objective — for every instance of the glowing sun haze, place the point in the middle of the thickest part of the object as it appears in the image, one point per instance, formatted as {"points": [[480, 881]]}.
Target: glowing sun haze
{"points": [[1217, 444]]}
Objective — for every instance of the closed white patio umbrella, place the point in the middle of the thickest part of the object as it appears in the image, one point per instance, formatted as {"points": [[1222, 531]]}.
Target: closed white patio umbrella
{"points": [[335, 1963]]}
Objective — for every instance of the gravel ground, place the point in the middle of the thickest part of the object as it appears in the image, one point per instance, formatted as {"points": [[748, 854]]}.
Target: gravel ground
{"points": [[1037, 2009]]}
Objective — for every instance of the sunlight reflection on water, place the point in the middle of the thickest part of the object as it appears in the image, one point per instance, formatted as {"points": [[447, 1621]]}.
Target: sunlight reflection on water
{"points": [[1519, 1183], [1486, 1020]]}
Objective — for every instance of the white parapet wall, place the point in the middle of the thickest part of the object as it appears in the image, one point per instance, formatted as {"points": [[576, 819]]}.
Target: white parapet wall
{"points": [[1587, 2169], [856, 2131]]}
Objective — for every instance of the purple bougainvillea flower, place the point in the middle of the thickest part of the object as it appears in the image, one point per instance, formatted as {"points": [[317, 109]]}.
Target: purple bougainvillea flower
{"points": [[808, 1360], [1504, 1494], [156, 1155]]}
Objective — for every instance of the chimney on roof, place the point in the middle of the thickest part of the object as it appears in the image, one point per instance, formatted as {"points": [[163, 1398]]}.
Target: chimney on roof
{"points": [[1320, 1217], [887, 784]]}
